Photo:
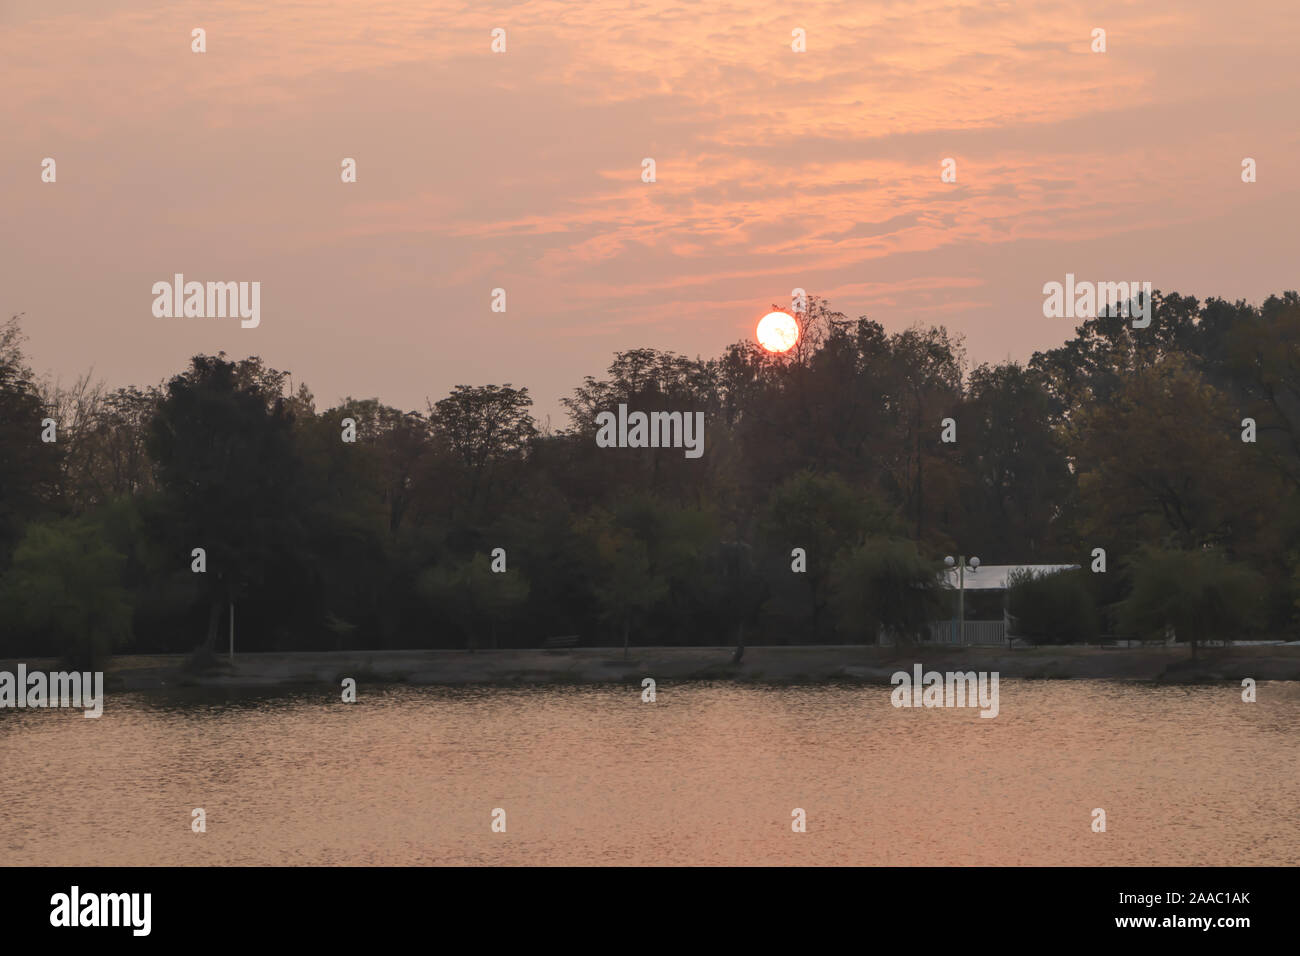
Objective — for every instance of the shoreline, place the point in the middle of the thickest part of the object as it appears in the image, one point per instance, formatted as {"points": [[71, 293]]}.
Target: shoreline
{"points": [[807, 664]]}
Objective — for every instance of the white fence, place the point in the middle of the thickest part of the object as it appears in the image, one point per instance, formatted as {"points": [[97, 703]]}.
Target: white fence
{"points": [[976, 632]]}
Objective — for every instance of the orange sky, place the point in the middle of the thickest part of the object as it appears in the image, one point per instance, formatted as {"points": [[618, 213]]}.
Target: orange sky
{"points": [[522, 170]]}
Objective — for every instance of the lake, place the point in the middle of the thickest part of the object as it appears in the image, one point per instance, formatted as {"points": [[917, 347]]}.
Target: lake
{"points": [[707, 774]]}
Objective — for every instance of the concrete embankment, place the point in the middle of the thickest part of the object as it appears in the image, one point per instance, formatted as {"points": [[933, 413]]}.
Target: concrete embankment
{"points": [[806, 664]]}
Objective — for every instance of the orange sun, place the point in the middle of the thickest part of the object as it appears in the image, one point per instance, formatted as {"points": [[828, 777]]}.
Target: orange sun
{"points": [[778, 331]]}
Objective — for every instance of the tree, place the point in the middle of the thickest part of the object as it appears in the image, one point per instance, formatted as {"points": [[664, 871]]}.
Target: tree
{"points": [[103, 437], [743, 589], [356, 497], [1107, 351], [1118, 439], [484, 426], [471, 592], [627, 581], [631, 586], [1263, 358], [64, 587], [1163, 462], [1020, 483], [823, 515], [884, 585], [394, 446], [29, 467], [924, 385], [224, 445], [646, 380], [1200, 594]]}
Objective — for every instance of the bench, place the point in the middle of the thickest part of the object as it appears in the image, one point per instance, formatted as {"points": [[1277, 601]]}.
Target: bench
{"points": [[568, 640]]}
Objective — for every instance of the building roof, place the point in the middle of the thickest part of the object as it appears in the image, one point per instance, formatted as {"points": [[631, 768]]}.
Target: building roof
{"points": [[993, 577]]}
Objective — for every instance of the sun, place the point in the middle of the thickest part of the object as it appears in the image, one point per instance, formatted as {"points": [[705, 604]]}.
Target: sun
{"points": [[778, 332]]}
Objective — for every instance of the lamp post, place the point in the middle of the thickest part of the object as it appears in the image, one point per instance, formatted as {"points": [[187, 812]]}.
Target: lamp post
{"points": [[961, 590]]}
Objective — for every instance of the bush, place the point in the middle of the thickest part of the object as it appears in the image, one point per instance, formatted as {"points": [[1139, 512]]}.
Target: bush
{"points": [[1200, 594], [884, 584], [65, 590], [1052, 607]]}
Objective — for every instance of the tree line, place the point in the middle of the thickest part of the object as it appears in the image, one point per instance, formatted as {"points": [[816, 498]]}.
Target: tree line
{"points": [[819, 512]]}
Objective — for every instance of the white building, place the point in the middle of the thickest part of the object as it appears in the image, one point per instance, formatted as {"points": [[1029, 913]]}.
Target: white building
{"points": [[985, 579]]}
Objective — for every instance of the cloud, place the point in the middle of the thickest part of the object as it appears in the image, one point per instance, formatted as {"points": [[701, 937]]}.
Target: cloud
{"points": [[476, 170]]}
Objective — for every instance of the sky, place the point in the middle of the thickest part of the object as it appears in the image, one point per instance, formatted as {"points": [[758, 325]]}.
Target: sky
{"points": [[522, 170]]}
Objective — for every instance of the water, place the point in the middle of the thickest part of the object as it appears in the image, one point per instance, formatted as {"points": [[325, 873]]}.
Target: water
{"points": [[709, 774]]}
